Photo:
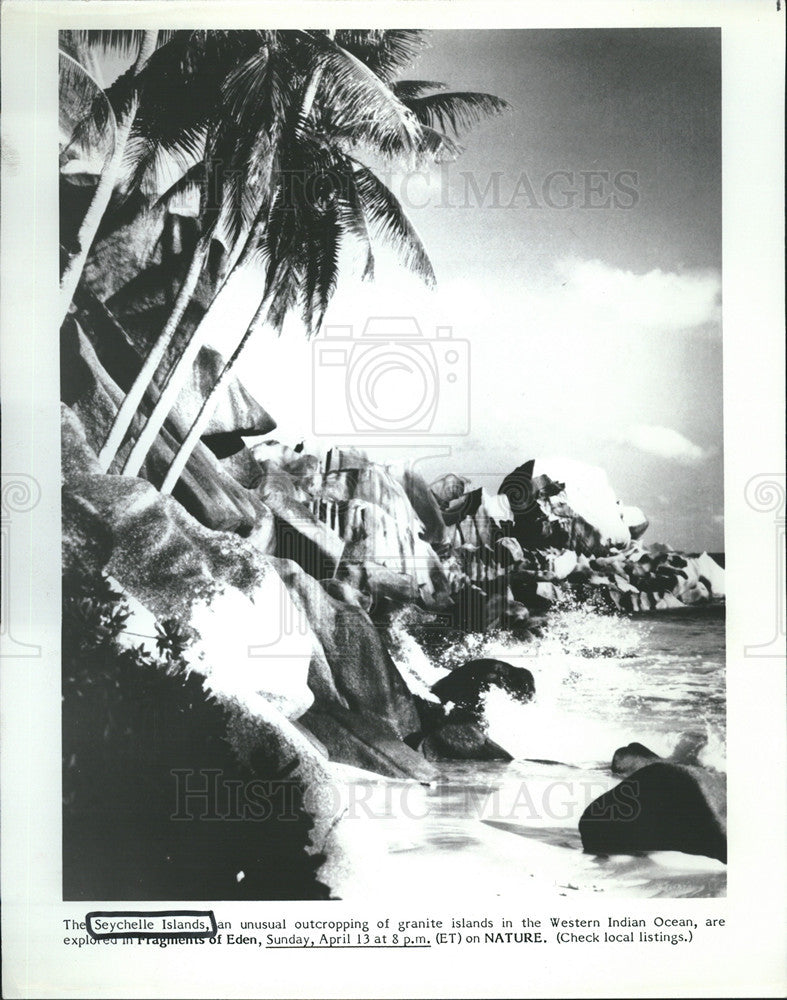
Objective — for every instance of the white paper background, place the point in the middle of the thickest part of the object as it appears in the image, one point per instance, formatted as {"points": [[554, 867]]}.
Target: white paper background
{"points": [[748, 957]]}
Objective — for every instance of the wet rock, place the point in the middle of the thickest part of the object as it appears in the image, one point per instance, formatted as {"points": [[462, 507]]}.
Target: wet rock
{"points": [[634, 756], [528, 591], [660, 807], [367, 741], [563, 564], [476, 607], [631, 758], [668, 603], [362, 669], [466, 685], [689, 747], [695, 593], [459, 739]]}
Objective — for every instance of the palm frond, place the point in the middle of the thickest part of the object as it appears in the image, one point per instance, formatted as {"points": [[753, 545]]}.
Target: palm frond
{"points": [[245, 137], [389, 221], [151, 158], [406, 89], [438, 147], [124, 44], [385, 51], [86, 119], [193, 179], [283, 284], [359, 98], [244, 88], [457, 111], [353, 220], [321, 252]]}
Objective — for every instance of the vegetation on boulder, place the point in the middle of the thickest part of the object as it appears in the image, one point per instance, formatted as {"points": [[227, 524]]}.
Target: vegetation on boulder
{"points": [[139, 733]]}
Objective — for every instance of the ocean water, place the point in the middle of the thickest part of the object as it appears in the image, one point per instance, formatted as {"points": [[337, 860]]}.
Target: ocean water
{"points": [[602, 681]]}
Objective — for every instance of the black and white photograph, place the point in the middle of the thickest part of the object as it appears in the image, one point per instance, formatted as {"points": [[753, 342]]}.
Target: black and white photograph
{"points": [[397, 405], [392, 454]]}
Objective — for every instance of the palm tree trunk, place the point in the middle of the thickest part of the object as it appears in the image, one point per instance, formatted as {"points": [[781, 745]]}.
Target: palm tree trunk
{"points": [[130, 404], [180, 370], [182, 367], [106, 185], [206, 411]]}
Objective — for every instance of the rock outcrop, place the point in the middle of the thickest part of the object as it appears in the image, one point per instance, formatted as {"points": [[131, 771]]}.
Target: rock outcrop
{"points": [[368, 742], [635, 521], [424, 503], [465, 686], [566, 504], [631, 758], [204, 489], [352, 521], [237, 412], [362, 669], [634, 756], [266, 631], [660, 807], [459, 738]]}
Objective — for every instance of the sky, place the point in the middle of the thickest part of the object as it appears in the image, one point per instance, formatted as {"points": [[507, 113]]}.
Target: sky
{"points": [[577, 249]]}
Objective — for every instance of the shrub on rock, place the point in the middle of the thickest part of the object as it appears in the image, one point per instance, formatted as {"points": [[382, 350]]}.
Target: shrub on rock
{"points": [[139, 731]]}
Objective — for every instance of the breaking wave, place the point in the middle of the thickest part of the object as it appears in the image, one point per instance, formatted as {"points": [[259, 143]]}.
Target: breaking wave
{"points": [[602, 681]]}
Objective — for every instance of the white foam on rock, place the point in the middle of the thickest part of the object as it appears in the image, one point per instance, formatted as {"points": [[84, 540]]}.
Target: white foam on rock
{"points": [[255, 649]]}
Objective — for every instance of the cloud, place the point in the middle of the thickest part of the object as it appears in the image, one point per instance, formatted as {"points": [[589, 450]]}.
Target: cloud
{"points": [[657, 300], [663, 442], [561, 361]]}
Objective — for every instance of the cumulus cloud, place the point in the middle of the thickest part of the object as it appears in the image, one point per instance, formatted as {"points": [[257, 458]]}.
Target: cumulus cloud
{"points": [[656, 300], [664, 442]]}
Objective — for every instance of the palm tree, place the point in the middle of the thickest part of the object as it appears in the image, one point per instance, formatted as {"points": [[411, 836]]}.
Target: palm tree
{"points": [[303, 234], [125, 114], [301, 244], [175, 95], [269, 95], [230, 209]]}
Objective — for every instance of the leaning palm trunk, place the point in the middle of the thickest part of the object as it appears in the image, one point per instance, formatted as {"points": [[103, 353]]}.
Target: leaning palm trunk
{"points": [[130, 404], [202, 419], [206, 411], [182, 367], [106, 185]]}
